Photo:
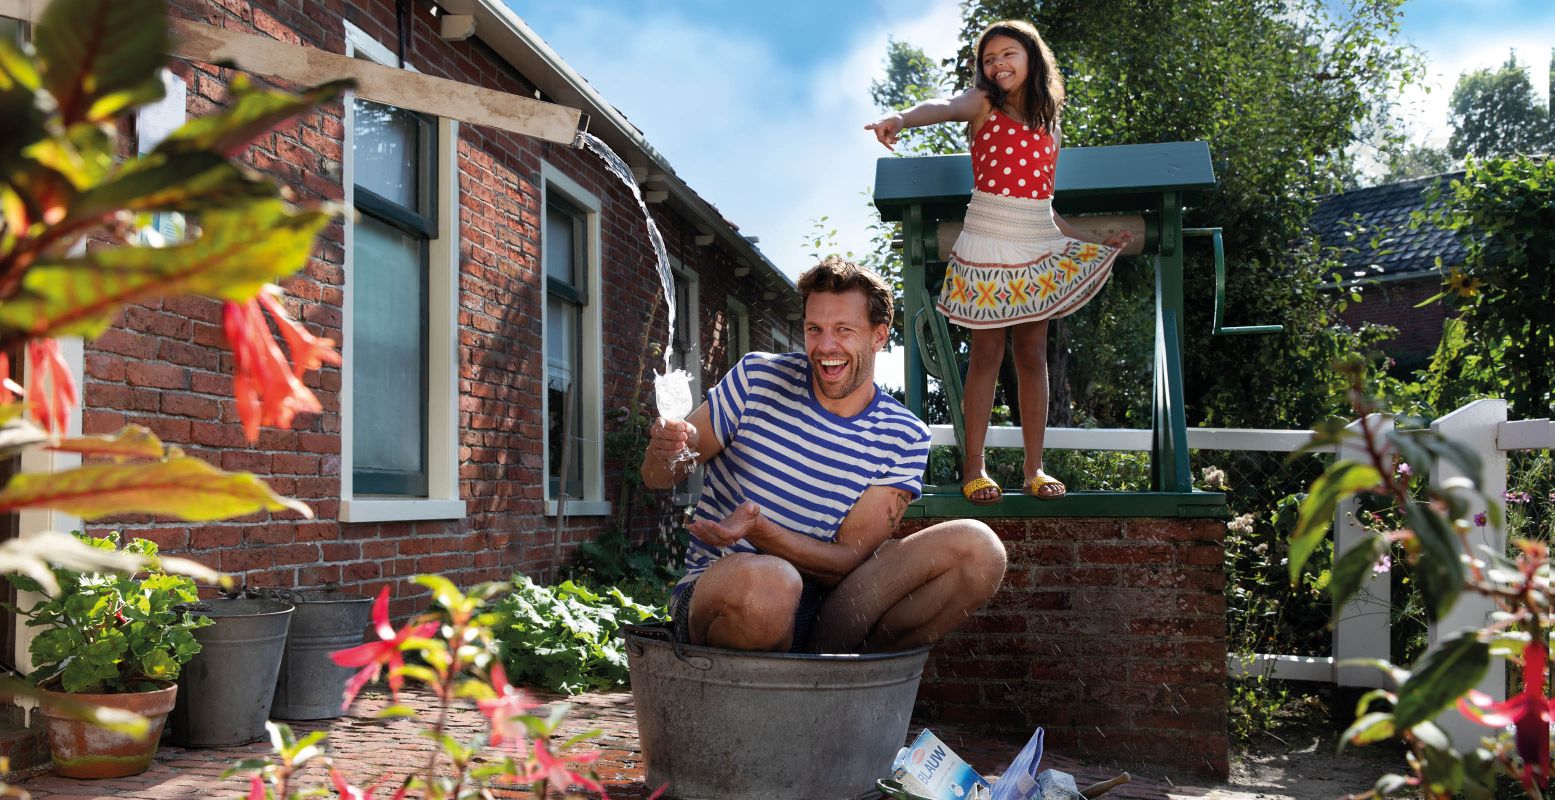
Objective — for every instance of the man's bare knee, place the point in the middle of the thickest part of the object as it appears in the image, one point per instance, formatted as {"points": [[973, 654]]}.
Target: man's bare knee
{"points": [[750, 602], [980, 556]]}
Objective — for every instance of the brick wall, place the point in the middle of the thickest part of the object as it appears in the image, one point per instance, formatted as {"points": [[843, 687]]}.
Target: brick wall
{"points": [[1393, 304], [166, 365], [1108, 633]]}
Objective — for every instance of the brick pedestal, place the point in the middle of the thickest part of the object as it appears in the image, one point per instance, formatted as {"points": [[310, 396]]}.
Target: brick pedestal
{"points": [[1108, 633]]}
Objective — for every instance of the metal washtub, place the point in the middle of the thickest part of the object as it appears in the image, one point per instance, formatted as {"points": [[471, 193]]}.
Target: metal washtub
{"points": [[736, 725], [311, 684]]}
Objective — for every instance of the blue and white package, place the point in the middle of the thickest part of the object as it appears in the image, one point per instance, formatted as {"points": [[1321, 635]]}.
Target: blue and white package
{"points": [[931, 769], [1019, 781]]}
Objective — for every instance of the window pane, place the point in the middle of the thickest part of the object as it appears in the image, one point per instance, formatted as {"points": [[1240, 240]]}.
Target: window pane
{"points": [[563, 332], [386, 149], [389, 355], [11, 30], [564, 256], [684, 324]]}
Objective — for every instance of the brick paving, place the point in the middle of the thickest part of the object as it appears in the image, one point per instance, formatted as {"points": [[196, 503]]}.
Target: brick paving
{"points": [[366, 748]]}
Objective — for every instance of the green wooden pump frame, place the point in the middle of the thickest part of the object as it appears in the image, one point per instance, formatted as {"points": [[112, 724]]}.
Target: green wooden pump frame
{"points": [[1155, 181]]}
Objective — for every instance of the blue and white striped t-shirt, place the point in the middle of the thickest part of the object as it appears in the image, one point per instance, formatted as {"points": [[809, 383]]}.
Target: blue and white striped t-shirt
{"points": [[805, 466]]}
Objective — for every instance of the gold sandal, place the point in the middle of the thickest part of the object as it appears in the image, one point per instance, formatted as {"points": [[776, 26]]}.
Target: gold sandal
{"points": [[1040, 480], [978, 484]]}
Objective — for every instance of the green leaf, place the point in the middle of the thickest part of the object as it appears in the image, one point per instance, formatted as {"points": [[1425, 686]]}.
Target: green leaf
{"points": [[1352, 570], [83, 157], [182, 487], [132, 441], [250, 113], [1376, 726], [239, 250], [159, 665], [1442, 676], [444, 592], [1340, 481], [281, 737], [17, 435], [1363, 705], [101, 56], [1389, 784], [190, 182], [396, 712], [1439, 569]]}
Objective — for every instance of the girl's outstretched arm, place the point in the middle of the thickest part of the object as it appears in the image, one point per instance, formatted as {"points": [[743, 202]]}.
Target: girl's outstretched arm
{"points": [[968, 106], [1119, 239]]}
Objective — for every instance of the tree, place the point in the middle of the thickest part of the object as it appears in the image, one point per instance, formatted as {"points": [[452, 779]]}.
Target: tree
{"points": [[1494, 112], [1502, 342], [1416, 161], [912, 77]]}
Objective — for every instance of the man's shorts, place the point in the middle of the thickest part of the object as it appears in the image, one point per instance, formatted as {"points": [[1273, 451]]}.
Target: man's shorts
{"points": [[810, 598]]}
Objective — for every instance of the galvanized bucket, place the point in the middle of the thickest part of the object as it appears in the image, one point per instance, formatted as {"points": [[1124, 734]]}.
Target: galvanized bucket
{"points": [[311, 686], [732, 725], [224, 692]]}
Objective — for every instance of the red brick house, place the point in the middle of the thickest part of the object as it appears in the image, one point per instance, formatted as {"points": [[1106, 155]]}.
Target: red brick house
{"points": [[1391, 262], [486, 281]]}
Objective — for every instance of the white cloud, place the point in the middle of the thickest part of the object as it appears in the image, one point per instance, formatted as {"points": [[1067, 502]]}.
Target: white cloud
{"points": [[772, 147], [1473, 42]]}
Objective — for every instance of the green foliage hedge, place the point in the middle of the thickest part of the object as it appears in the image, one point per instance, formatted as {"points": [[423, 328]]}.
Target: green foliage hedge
{"points": [[564, 637]]}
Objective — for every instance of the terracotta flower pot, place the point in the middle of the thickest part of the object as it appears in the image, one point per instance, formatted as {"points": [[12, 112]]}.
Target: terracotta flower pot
{"points": [[83, 750]]}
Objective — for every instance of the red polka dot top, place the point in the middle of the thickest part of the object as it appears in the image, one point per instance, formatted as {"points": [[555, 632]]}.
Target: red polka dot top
{"points": [[1011, 159]]}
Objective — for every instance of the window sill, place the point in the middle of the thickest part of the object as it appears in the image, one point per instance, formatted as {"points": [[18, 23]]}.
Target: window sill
{"points": [[392, 510], [580, 508]]}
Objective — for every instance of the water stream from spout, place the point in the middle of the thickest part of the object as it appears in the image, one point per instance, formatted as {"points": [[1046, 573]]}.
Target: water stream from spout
{"points": [[671, 388]]}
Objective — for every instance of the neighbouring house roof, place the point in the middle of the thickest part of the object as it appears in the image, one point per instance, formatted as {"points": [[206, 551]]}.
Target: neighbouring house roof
{"points": [[1371, 228], [507, 34]]}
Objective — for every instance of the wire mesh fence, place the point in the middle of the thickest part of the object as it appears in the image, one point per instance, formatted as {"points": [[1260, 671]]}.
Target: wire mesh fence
{"points": [[1265, 612]]}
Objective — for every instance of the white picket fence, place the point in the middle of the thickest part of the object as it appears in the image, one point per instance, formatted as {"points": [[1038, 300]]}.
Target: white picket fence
{"points": [[1361, 631]]}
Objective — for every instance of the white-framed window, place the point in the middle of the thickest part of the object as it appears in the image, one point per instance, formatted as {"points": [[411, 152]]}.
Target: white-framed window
{"points": [[399, 388], [737, 332], [687, 355], [687, 339], [781, 341], [13, 30], [574, 373]]}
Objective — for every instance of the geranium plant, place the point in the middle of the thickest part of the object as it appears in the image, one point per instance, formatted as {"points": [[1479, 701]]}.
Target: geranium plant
{"points": [[112, 632], [452, 656]]}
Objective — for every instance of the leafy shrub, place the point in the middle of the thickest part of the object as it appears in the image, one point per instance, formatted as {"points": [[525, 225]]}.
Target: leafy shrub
{"points": [[564, 637], [112, 632]]}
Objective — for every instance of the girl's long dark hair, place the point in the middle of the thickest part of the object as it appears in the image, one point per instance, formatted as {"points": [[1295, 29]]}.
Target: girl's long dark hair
{"points": [[1042, 96]]}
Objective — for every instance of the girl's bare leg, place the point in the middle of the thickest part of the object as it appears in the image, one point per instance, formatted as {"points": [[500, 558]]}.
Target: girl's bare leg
{"points": [[977, 403], [1030, 350]]}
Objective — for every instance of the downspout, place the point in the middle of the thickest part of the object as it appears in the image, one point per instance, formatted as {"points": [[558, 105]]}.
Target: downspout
{"points": [[402, 28]]}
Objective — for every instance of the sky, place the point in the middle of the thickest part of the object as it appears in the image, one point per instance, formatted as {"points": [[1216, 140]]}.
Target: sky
{"points": [[760, 106]]}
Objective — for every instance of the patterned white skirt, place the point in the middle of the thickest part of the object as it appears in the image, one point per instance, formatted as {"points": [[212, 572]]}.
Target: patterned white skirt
{"points": [[1012, 265]]}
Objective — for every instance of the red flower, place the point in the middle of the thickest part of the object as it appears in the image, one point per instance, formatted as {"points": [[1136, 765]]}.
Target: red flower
{"points": [[9, 389], [372, 656], [349, 792], [504, 710], [308, 352], [557, 772], [51, 389], [269, 391], [1529, 712]]}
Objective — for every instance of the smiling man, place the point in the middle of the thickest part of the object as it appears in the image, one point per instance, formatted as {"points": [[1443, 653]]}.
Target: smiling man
{"points": [[809, 469]]}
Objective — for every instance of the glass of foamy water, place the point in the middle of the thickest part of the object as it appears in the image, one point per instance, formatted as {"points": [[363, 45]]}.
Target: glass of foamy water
{"points": [[672, 394]]}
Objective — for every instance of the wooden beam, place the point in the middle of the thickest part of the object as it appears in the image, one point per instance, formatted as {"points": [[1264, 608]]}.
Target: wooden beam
{"points": [[382, 84]]}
